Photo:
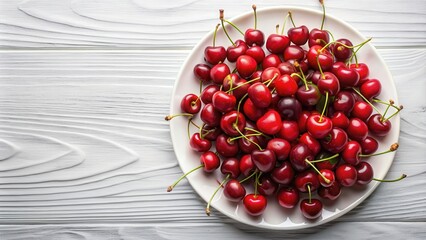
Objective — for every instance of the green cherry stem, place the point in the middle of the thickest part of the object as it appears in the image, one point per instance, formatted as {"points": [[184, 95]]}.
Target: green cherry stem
{"points": [[323, 16], [214, 194], [391, 180], [170, 117], [392, 148], [255, 16], [324, 159], [331, 34], [291, 18], [239, 106], [325, 106], [316, 170], [221, 17], [246, 138], [356, 51], [303, 79], [309, 193], [366, 100], [234, 26], [248, 135], [248, 82], [285, 22], [391, 116], [170, 188], [250, 176], [256, 183], [214, 35]]}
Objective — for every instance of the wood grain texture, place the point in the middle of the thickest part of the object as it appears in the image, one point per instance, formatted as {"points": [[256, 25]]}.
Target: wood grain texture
{"points": [[181, 23]]}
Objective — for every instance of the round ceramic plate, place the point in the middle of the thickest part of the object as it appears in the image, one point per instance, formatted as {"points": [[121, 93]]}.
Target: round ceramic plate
{"points": [[275, 217]]}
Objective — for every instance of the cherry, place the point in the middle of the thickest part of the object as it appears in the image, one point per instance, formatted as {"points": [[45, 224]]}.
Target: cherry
{"points": [[202, 72], [225, 147], [272, 60], [285, 86], [214, 54], [235, 51], [344, 101], [280, 147], [254, 36], [331, 193], [378, 125], [270, 122], [298, 35], [340, 50], [199, 144], [319, 127], [340, 120], [283, 174], [308, 95], [260, 95], [294, 52], [318, 57], [210, 133], [264, 160], [246, 165], [239, 85], [318, 37], [299, 154], [257, 53], [223, 101], [250, 142], [286, 68], [369, 145], [277, 43], [303, 118], [190, 104], [328, 83], [348, 77], [246, 66], [331, 163], [351, 153], [311, 209], [234, 191], [289, 130], [251, 111], [362, 70], [313, 144], [230, 166], [266, 186], [288, 197], [346, 175], [328, 174], [362, 110], [306, 181], [336, 141], [364, 173], [210, 115], [371, 88], [233, 123], [289, 108], [219, 72], [357, 129], [207, 93], [255, 204]]}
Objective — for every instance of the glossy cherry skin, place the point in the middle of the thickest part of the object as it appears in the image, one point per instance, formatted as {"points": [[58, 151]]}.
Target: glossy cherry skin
{"points": [[202, 72], [316, 55], [251, 111], [303, 179], [234, 191], [294, 52], [289, 130], [219, 72], [227, 123], [246, 66], [289, 108], [210, 116], [269, 74], [330, 193], [371, 88], [207, 93], [312, 209], [364, 172], [319, 129], [255, 205], [301, 121], [277, 43], [340, 120], [362, 70], [266, 186], [357, 129], [329, 83], [298, 35], [260, 95], [344, 101], [210, 161], [264, 160], [318, 37], [234, 51], [246, 165], [378, 127], [351, 153], [348, 77], [311, 143], [254, 37], [362, 110], [249, 145], [346, 175], [270, 123], [298, 155], [283, 174], [285, 85], [225, 147], [328, 164], [214, 55], [211, 133], [328, 174], [288, 197], [230, 166], [223, 101], [336, 141], [199, 144], [308, 95], [340, 51], [190, 104], [272, 60], [286, 68], [369, 145], [257, 53], [280, 147]]}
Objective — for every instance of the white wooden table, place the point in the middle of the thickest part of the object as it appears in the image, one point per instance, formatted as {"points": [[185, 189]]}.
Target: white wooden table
{"points": [[85, 153]]}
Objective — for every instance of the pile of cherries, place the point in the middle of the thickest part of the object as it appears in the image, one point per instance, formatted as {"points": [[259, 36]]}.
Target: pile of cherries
{"points": [[294, 117]]}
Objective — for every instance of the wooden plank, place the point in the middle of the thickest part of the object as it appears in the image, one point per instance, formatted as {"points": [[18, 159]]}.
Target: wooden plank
{"points": [[161, 25]]}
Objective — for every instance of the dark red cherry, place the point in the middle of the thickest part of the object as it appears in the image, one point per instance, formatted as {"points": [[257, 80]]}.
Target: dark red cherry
{"points": [[260, 95], [210, 116], [364, 172], [264, 160], [230, 166], [211, 133], [318, 57], [344, 101], [190, 104], [225, 147], [298, 35], [271, 60], [277, 43], [351, 153], [199, 144], [298, 156], [266, 186], [234, 51], [219, 72], [303, 118], [228, 123], [294, 52], [319, 127], [207, 93], [378, 126], [248, 144], [340, 50], [362, 110], [280, 147], [369, 145], [357, 129], [214, 55], [202, 72], [308, 95], [283, 174], [371, 88], [311, 209], [246, 165], [254, 37], [210, 161], [254, 204], [246, 66], [257, 53], [348, 77], [318, 37], [289, 108], [223, 101], [234, 191], [330, 193], [305, 179], [346, 175], [286, 68], [288, 197], [336, 141], [329, 83]]}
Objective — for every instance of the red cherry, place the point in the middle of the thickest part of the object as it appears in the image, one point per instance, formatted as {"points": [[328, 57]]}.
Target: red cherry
{"points": [[348, 77], [272, 60], [288, 197], [230, 166], [246, 66], [369, 145], [378, 126], [277, 43], [285, 86], [190, 104], [294, 52], [298, 156], [228, 120], [318, 37], [305, 179], [336, 141], [251, 111], [270, 123], [210, 161], [289, 108], [225, 147], [223, 101], [311, 209], [319, 129], [257, 53], [340, 120], [346, 175], [210, 116], [199, 144], [214, 55], [246, 165], [234, 51], [249, 145], [340, 51], [362, 70], [286, 68], [207, 94], [289, 130], [260, 95], [303, 118], [308, 95], [283, 174], [266, 186], [219, 72], [351, 153], [357, 129], [330, 193], [329, 83], [254, 204], [280, 147], [328, 174], [264, 160], [327, 164], [344, 101], [211, 133], [298, 35], [311, 143], [362, 110], [254, 37], [202, 72], [371, 88], [364, 172], [234, 191], [322, 56]]}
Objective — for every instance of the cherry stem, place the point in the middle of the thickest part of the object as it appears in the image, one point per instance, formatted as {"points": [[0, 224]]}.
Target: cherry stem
{"points": [[356, 51], [205, 132], [256, 183], [255, 16], [384, 114], [256, 131], [316, 170], [324, 159], [291, 18], [271, 80], [392, 148], [170, 117], [239, 106], [303, 79], [323, 13], [331, 34], [391, 116], [214, 35], [170, 188], [358, 45], [250, 176], [391, 103], [244, 136], [195, 125], [366, 100], [248, 82], [277, 28], [223, 26], [309, 192], [187, 128], [248, 135], [325, 106], [284, 23], [391, 180], [214, 194], [234, 26], [319, 67]]}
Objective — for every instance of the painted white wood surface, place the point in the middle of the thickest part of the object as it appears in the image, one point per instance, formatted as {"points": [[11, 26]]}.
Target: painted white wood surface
{"points": [[85, 153]]}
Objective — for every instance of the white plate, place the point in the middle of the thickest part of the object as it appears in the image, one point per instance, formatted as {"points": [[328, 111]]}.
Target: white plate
{"points": [[276, 217]]}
